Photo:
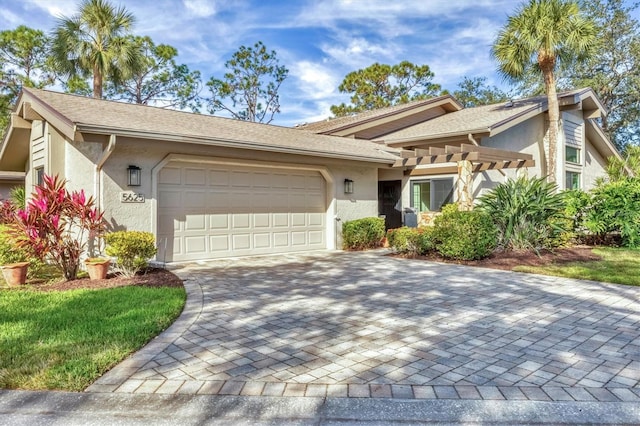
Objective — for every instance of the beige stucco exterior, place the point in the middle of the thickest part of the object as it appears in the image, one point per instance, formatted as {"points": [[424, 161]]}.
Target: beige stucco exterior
{"points": [[150, 155]]}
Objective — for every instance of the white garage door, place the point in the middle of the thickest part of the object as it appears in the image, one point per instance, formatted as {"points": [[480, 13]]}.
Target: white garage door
{"points": [[212, 211]]}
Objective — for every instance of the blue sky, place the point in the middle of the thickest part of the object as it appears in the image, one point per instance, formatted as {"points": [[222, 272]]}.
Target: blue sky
{"points": [[319, 41]]}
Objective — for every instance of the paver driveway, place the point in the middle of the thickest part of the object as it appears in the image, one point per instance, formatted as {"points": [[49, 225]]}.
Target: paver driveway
{"points": [[369, 325]]}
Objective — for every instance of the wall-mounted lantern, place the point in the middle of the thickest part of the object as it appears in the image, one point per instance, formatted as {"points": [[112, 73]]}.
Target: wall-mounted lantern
{"points": [[134, 174], [348, 186]]}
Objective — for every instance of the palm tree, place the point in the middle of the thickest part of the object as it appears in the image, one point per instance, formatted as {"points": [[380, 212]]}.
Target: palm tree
{"points": [[93, 42], [542, 34]]}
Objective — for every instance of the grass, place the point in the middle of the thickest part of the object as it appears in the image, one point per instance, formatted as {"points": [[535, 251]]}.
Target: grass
{"points": [[620, 266], [65, 340]]}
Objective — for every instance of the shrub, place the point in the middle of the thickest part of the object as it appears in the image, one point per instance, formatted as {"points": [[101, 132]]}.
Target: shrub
{"points": [[464, 235], [56, 223], [7, 212], [413, 241], [616, 209], [10, 252], [132, 250], [361, 234], [525, 212]]}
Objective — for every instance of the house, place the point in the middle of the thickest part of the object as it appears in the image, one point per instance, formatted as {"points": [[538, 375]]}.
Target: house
{"points": [[211, 187], [450, 153], [207, 187]]}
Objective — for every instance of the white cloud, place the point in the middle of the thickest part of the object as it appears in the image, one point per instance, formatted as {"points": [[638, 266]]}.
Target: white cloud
{"points": [[358, 52], [200, 8], [56, 9], [315, 81], [10, 18]]}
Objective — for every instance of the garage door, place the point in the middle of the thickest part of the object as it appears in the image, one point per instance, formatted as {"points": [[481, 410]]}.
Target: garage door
{"points": [[213, 211]]}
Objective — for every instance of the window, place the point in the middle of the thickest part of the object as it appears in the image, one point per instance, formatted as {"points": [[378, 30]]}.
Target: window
{"points": [[39, 176], [431, 195], [572, 154], [572, 180]]}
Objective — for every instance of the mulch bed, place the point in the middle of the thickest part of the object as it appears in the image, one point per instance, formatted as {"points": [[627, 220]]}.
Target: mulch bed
{"points": [[151, 277], [507, 260]]}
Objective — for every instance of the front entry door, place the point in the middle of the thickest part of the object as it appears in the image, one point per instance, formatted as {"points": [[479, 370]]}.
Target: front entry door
{"points": [[389, 203]]}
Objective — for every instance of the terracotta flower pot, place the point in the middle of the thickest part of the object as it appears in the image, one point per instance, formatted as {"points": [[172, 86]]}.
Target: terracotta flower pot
{"points": [[97, 268], [15, 273]]}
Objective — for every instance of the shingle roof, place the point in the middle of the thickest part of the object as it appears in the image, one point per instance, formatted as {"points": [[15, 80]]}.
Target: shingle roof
{"points": [[334, 124], [115, 117], [469, 120], [482, 119]]}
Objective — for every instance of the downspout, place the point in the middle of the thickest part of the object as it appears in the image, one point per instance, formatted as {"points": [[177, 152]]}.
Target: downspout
{"points": [[103, 159]]}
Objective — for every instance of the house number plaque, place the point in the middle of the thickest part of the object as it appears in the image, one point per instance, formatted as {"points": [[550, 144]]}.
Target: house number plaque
{"points": [[131, 197]]}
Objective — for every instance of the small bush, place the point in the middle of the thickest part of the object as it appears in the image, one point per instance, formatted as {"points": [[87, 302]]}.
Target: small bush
{"points": [[361, 234], [9, 250], [412, 241], [615, 209], [464, 235], [132, 250]]}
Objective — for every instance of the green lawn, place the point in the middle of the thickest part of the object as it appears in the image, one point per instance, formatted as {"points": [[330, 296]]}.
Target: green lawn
{"points": [[66, 340], [620, 266]]}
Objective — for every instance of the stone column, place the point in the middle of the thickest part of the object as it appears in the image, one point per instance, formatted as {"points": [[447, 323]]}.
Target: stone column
{"points": [[465, 185]]}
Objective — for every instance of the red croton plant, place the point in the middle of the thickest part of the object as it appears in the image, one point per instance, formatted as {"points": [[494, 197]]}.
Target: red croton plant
{"points": [[56, 224]]}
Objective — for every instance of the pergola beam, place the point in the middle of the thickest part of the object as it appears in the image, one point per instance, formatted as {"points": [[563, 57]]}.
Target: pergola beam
{"points": [[464, 152], [480, 167]]}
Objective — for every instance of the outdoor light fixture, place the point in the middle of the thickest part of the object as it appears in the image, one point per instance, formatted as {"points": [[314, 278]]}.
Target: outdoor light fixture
{"points": [[135, 175], [348, 186]]}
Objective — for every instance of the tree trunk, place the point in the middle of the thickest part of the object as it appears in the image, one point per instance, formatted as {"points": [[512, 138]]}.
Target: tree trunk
{"points": [[97, 83], [554, 118]]}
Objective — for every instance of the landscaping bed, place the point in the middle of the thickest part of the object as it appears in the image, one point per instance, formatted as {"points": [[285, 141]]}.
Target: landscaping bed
{"points": [[508, 260], [151, 277]]}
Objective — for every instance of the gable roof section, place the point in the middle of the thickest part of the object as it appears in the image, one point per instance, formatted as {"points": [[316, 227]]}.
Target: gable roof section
{"points": [[374, 123], [76, 115], [489, 120]]}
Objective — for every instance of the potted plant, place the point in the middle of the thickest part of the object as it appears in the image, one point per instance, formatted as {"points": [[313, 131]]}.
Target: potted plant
{"points": [[14, 260], [97, 267]]}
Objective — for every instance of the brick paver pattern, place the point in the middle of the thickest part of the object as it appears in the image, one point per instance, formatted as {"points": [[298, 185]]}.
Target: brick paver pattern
{"points": [[368, 325]]}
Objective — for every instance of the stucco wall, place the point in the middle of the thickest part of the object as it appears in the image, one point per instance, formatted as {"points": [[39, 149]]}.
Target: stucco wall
{"points": [[148, 154], [525, 137], [594, 166]]}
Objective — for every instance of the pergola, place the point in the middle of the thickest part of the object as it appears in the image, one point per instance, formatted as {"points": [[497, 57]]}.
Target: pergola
{"points": [[469, 159]]}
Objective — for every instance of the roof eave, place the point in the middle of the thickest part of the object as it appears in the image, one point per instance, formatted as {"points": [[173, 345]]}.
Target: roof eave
{"points": [[229, 143]]}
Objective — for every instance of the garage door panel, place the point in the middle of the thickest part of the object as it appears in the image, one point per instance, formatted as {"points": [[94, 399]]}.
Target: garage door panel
{"points": [[219, 222], [314, 183], [315, 219], [281, 220], [261, 180], [261, 241], [261, 220], [195, 244], [195, 177], [219, 243], [218, 201], [170, 176], [241, 180], [214, 211], [316, 238], [170, 199], [298, 238], [298, 220], [241, 221], [241, 241], [219, 178], [195, 222], [281, 239], [194, 199]]}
